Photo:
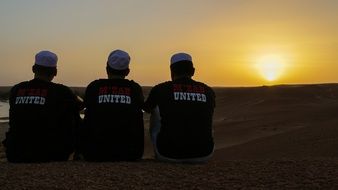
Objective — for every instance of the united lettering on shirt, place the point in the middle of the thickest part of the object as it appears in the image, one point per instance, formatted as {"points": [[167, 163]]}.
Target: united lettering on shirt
{"points": [[184, 92], [114, 94], [34, 96]]}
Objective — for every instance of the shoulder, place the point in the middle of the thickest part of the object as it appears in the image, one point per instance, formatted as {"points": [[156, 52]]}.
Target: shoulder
{"points": [[203, 84], [24, 83], [207, 87], [135, 84], [95, 83], [60, 88], [161, 88], [163, 85], [19, 85]]}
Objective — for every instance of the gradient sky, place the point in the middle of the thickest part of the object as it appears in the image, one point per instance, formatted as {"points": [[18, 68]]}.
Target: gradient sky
{"points": [[225, 38]]}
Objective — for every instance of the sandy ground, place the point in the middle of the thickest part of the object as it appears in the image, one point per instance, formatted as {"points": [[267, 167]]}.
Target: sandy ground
{"points": [[148, 174], [282, 137], [3, 129]]}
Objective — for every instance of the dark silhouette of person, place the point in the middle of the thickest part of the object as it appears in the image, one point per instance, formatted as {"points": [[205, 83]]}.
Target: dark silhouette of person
{"points": [[113, 125], [182, 111], [43, 117]]}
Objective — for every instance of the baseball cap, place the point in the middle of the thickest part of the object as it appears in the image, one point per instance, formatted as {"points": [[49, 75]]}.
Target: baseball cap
{"points": [[118, 60], [180, 57], [46, 59]]}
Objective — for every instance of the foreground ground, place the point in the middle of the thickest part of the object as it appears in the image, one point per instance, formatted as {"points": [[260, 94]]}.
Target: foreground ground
{"points": [[148, 174]]}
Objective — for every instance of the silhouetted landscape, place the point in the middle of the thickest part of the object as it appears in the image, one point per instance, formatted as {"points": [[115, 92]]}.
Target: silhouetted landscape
{"points": [[268, 137], [4, 92]]}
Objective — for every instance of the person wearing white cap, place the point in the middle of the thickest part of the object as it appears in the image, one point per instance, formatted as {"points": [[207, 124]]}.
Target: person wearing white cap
{"points": [[182, 111], [43, 116], [113, 123]]}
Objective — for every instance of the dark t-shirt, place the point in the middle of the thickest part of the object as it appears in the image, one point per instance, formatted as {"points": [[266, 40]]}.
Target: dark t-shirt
{"points": [[113, 123], [186, 109], [43, 120]]}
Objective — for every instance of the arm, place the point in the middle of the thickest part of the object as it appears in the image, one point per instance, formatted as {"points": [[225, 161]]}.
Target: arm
{"points": [[70, 118], [151, 101], [11, 102], [139, 96]]}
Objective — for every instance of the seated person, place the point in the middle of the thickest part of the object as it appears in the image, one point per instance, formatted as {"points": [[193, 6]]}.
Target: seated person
{"points": [[182, 110], [113, 124], [43, 117]]}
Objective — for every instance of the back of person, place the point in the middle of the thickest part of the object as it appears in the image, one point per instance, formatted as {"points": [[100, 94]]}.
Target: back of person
{"points": [[43, 121], [185, 109], [113, 124]]}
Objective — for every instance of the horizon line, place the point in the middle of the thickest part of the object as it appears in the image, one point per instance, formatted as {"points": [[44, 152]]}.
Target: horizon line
{"points": [[221, 86]]}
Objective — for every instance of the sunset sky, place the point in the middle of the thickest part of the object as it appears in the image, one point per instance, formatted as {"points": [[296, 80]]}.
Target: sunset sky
{"points": [[232, 42]]}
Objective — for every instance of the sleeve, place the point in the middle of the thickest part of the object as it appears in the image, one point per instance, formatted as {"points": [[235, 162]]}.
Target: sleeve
{"points": [[72, 101], [70, 117], [151, 101], [139, 95], [12, 96], [87, 95], [213, 98], [12, 124], [11, 99], [83, 129]]}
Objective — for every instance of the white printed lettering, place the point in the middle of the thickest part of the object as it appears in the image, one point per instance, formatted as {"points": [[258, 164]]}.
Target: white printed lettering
{"points": [[128, 100], [30, 100], [204, 98], [106, 98], [117, 98], [186, 96], [112, 98], [26, 99], [36, 100], [193, 95], [42, 100], [123, 99], [176, 95], [183, 95], [199, 97]]}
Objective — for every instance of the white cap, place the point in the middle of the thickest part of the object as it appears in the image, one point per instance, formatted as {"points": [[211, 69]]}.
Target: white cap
{"points": [[46, 59], [118, 60], [180, 57]]}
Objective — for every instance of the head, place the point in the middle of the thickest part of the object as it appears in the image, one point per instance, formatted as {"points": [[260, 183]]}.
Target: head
{"points": [[45, 65], [118, 64], [181, 66]]}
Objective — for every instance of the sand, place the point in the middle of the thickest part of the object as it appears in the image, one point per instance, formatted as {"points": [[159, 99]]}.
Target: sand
{"points": [[3, 129], [148, 174], [281, 137]]}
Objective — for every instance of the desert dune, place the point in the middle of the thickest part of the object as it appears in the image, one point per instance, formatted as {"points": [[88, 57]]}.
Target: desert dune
{"points": [[279, 121]]}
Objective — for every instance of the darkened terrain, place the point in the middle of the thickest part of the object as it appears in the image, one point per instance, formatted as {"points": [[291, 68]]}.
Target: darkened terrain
{"points": [[278, 137]]}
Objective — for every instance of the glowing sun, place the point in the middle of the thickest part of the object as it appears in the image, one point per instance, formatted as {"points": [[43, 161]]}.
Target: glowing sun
{"points": [[270, 66]]}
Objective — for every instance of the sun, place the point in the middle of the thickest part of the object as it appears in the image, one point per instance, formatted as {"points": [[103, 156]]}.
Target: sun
{"points": [[270, 66]]}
